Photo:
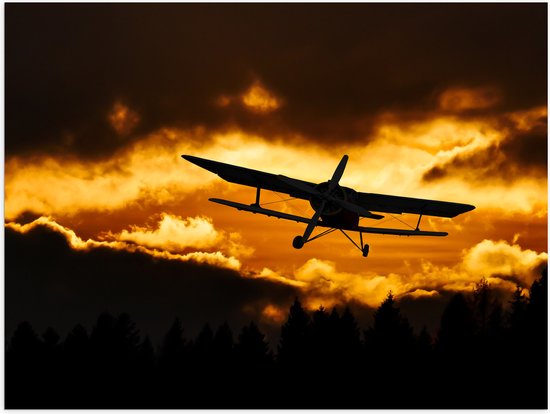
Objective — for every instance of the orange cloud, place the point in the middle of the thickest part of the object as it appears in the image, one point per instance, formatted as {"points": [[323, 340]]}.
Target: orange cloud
{"points": [[426, 145], [322, 283], [419, 293], [463, 99], [274, 314], [176, 234], [499, 259], [258, 99], [503, 265], [528, 119], [123, 119], [75, 242], [152, 170], [148, 177], [224, 101]]}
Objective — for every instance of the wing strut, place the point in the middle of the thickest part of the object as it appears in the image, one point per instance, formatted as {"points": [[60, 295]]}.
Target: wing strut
{"points": [[418, 224], [257, 203]]}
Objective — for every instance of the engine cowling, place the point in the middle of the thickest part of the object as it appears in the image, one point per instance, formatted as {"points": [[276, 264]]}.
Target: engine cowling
{"points": [[330, 208], [334, 214]]}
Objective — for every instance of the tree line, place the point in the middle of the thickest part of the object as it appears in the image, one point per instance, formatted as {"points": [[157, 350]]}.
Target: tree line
{"points": [[485, 354]]}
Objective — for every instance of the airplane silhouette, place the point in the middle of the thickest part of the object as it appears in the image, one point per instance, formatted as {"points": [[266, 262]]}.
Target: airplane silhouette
{"points": [[336, 207]]}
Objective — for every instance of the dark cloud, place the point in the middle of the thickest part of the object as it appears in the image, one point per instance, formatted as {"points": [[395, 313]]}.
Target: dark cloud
{"points": [[528, 149], [49, 284], [482, 164], [520, 154], [335, 66]]}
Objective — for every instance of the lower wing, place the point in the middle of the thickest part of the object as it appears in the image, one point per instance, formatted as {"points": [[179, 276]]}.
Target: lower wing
{"points": [[273, 213]]}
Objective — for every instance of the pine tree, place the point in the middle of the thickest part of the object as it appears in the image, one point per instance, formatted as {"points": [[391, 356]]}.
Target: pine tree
{"points": [[294, 345], [24, 369], [517, 313], [537, 307], [424, 345], [349, 330], [146, 355], [252, 350], [390, 345], [202, 359], [537, 341], [76, 344], [52, 358], [51, 338], [321, 338], [145, 382], [126, 338], [223, 343], [457, 330], [391, 333], [24, 340], [172, 353], [102, 341], [205, 342], [482, 304]]}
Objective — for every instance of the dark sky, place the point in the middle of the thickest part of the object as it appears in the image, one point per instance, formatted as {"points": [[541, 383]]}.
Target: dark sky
{"points": [[336, 66]]}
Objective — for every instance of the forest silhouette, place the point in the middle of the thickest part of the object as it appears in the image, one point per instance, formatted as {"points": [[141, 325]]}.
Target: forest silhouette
{"points": [[485, 354]]}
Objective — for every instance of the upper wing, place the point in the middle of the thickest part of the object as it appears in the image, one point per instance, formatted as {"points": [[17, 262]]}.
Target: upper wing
{"points": [[252, 178], [397, 205], [376, 202]]}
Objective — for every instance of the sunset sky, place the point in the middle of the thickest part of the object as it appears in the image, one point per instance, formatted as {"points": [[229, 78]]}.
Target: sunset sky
{"points": [[445, 102]]}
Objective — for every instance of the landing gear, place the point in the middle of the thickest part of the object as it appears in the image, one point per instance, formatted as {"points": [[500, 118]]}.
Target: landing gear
{"points": [[298, 242]]}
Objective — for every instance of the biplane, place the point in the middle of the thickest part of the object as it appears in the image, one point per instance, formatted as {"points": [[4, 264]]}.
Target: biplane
{"points": [[336, 207]]}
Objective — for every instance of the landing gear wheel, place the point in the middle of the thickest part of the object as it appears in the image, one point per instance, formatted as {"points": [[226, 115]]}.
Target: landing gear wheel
{"points": [[365, 250], [298, 242]]}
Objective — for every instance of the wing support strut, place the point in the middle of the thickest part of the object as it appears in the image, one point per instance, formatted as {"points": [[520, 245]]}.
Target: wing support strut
{"points": [[257, 203], [420, 218], [418, 224]]}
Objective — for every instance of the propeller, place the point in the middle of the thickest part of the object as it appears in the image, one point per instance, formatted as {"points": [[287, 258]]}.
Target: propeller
{"points": [[333, 183], [299, 185], [357, 209]]}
